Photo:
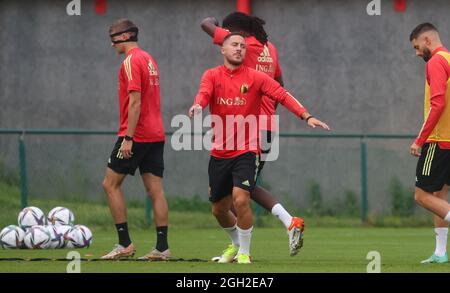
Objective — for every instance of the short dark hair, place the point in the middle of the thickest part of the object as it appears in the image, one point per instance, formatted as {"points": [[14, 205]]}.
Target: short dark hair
{"points": [[420, 29], [238, 21], [123, 24], [233, 34]]}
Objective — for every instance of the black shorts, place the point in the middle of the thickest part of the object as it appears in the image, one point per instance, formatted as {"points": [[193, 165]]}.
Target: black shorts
{"points": [[148, 156], [224, 174], [433, 168], [266, 144]]}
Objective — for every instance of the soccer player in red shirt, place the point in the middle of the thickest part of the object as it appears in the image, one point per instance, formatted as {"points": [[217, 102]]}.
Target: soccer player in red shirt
{"points": [[140, 141], [261, 55], [234, 93], [432, 145]]}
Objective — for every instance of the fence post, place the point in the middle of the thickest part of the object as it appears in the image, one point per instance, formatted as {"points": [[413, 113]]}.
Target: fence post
{"points": [[148, 211], [23, 172], [364, 201]]}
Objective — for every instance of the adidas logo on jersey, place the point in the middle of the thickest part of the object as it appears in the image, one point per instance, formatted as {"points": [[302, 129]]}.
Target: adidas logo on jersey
{"points": [[151, 68], [246, 183], [265, 56]]}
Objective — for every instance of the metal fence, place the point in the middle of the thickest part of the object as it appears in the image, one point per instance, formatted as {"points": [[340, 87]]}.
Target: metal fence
{"points": [[360, 141]]}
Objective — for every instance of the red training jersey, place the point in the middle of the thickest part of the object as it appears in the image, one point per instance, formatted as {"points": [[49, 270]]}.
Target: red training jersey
{"points": [[139, 72], [262, 58], [437, 75], [238, 93]]}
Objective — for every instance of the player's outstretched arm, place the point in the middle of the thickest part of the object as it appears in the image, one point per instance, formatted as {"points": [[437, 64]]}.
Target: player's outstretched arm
{"points": [[204, 94], [313, 121], [209, 25], [294, 106], [276, 92]]}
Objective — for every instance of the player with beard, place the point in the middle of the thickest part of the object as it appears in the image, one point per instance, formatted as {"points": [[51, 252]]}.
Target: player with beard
{"points": [[432, 145]]}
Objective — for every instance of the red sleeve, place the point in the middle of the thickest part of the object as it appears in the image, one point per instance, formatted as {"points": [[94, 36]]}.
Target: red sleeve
{"points": [[206, 89], [276, 92], [133, 72], [438, 82], [219, 35]]}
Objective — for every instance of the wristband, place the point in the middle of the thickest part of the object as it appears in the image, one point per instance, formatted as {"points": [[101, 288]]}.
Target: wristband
{"points": [[128, 138], [309, 117]]}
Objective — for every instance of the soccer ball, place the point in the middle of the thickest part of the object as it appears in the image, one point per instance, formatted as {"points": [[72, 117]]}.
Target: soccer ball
{"points": [[29, 217], [11, 237], [86, 236], [60, 216], [37, 237], [72, 238], [56, 239], [60, 234], [78, 237]]}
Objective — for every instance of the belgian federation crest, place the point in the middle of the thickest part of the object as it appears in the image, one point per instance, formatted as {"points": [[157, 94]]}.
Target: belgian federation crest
{"points": [[244, 88]]}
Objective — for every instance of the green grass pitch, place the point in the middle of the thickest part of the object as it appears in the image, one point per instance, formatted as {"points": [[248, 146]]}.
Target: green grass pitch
{"points": [[325, 250]]}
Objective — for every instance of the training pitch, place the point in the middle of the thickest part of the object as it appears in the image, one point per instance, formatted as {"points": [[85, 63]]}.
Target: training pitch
{"points": [[325, 250]]}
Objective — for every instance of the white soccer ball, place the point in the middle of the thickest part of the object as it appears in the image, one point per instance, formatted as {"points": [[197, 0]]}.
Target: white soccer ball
{"points": [[11, 237], [37, 237], [62, 232], [31, 216], [86, 236], [60, 216], [56, 239], [72, 239]]}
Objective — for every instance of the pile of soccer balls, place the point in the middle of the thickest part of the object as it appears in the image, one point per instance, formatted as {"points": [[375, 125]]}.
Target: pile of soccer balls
{"points": [[33, 233]]}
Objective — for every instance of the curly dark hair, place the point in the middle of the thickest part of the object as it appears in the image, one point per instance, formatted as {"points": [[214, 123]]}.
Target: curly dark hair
{"points": [[238, 21]]}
